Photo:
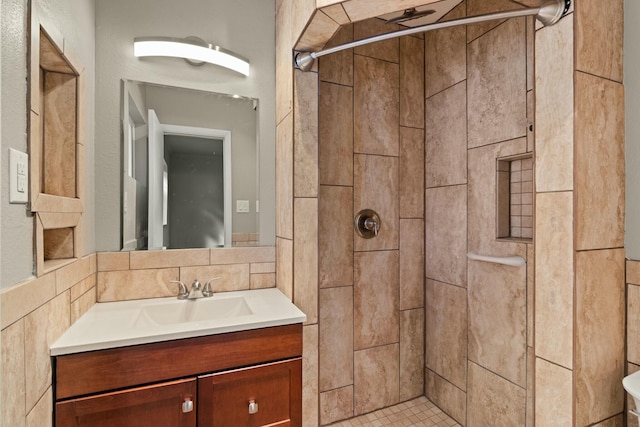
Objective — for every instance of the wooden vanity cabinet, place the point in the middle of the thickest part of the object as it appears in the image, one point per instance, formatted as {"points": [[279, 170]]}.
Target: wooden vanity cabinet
{"points": [[215, 380]]}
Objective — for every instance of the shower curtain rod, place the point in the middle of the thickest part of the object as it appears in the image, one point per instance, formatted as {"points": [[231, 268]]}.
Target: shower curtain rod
{"points": [[548, 13]]}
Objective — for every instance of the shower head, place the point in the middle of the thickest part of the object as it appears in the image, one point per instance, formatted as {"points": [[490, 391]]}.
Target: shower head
{"points": [[410, 14]]}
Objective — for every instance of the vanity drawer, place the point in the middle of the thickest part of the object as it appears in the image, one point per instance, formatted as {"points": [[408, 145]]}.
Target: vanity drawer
{"points": [[265, 395]]}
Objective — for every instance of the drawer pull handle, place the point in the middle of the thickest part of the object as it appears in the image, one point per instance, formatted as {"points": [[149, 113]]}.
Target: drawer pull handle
{"points": [[187, 406], [253, 407]]}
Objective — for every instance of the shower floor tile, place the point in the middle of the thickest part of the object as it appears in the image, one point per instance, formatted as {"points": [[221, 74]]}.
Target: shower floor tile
{"points": [[419, 412]]}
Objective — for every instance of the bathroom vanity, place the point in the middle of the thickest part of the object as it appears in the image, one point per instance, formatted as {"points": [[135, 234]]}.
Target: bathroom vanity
{"points": [[251, 376]]}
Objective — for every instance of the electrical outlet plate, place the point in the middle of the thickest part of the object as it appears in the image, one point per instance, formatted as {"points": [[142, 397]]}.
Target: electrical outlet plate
{"points": [[18, 176], [242, 206]]}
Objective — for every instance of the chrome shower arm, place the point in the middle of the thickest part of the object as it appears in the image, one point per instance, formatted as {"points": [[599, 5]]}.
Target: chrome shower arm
{"points": [[548, 13]]}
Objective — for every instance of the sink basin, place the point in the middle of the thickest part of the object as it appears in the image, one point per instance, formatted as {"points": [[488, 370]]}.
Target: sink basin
{"points": [[184, 311]]}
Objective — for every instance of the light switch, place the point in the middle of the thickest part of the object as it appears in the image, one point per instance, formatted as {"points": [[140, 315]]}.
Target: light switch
{"points": [[242, 206], [18, 176]]}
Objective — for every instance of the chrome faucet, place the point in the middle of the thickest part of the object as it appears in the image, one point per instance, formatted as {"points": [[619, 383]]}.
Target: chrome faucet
{"points": [[196, 291]]}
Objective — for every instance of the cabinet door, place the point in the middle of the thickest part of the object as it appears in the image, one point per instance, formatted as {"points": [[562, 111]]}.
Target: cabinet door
{"points": [[275, 389], [166, 404]]}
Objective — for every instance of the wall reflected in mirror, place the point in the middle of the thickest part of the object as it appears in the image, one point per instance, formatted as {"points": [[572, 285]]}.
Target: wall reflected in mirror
{"points": [[190, 168]]}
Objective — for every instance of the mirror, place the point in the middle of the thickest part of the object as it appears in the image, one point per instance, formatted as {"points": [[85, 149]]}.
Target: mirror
{"points": [[189, 168]]}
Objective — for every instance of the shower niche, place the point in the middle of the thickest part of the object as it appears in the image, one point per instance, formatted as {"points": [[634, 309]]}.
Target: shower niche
{"points": [[514, 188]]}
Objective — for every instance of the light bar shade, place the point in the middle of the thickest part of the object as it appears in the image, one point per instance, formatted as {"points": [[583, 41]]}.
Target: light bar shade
{"points": [[191, 50]]}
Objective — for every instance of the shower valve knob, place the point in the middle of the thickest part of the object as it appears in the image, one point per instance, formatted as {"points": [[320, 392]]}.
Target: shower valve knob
{"points": [[367, 224]]}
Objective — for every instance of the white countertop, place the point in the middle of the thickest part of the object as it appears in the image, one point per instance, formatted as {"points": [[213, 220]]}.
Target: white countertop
{"points": [[124, 323]]}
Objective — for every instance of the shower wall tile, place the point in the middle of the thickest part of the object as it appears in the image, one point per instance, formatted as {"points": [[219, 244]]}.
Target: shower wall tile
{"points": [[446, 332], [531, 35], [336, 320], [376, 378], [336, 12], [317, 32], [388, 50], [336, 405], [446, 137], [284, 178], [554, 107], [633, 272], [305, 135], [305, 257], [335, 140], [411, 173], [363, 9], [531, 278], [376, 187], [411, 354], [530, 411], [633, 324], [335, 236], [55, 316], [284, 266], [310, 390], [412, 82], [12, 370], [411, 263], [284, 70], [616, 421], [498, 319], [554, 394], [599, 173], [497, 72], [599, 334], [446, 54], [376, 108], [376, 316], [554, 277], [478, 7], [446, 229], [338, 67], [446, 396], [493, 401], [302, 12], [599, 38]]}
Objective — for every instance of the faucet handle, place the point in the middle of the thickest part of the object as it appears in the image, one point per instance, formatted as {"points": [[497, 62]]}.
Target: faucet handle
{"points": [[207, 292], [183, 293]]}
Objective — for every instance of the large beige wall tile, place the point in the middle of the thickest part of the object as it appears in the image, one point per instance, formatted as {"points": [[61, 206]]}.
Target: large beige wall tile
{"points": [[82, 304], [448, 397], [446, 53], [530, 411], [335, 236], [40, 415], [310, 390], [305, 257], [336, 337], [633, 272], [599, 38], [336, 405], [599, 335], [478, 7], [633, 324], [446, 230], [554, 107], [376, 318], [498, 319], [71, 274], [497, 72], [446, 137], [305, 134], [446, 332], [108, 261], [302, 11], [412, 82], [411, 354], [240, 255], [376, 378], [284, 59], [336, 12], [492, 400], [335, 140], [284, 267], [232, 277], [388, 50], [21, 299], [37, 339], [338, 67], [376, 187], [363, 9], [411, 263], [376, 112], [554, 277], [411, 173], [615, 421], [599, 173], [284, 178], [12, 372], [136, 284], [168, 258], [554, 394], [318, 31]]}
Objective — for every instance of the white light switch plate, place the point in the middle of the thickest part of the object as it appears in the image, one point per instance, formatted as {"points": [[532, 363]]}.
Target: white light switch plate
{"points": [[242, 206], [18, 176]]}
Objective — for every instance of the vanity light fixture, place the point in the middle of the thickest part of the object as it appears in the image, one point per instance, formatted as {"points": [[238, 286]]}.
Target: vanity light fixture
{"points": [[193, 49]]}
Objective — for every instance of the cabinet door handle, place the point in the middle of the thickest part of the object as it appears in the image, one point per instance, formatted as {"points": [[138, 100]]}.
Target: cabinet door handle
{"points": [[187, 405], [253, 407]]}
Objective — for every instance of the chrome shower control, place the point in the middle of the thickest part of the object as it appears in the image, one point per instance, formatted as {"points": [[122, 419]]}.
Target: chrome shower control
{"points": [[367, 223]]}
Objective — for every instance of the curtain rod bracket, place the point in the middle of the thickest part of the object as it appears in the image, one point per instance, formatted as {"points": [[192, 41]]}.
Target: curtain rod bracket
{"points": [[548, 13]]}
